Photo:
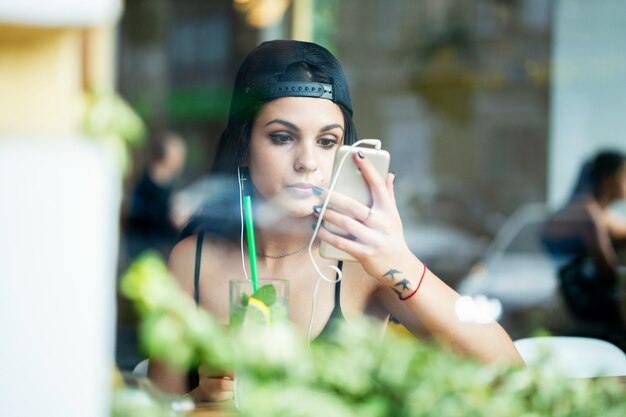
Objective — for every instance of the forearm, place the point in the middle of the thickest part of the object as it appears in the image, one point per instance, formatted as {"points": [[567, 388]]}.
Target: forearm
{"points": [[166, 378], [434, 306]]}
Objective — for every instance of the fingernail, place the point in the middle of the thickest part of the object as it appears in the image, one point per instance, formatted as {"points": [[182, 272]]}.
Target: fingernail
{"points": [[393, 179], [361, 154], [317, 209], [317, 190]]}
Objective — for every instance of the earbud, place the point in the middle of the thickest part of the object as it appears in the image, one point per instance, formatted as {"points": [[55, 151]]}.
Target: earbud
{"points": [[245, 183], [243, 180]]}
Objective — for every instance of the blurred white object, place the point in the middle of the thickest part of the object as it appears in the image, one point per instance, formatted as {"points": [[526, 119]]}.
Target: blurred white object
{"points": [[575, 357], [515, 269], [478, 309], [58, 255], [140, 396], [60, 12], [141, 369]]}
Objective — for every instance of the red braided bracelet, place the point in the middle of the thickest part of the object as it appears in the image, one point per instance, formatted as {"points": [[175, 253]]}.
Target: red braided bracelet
{"points": [[418, 285]]}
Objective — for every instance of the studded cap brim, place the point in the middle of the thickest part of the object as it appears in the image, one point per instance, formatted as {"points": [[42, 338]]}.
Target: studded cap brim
{"points": [[259, 77]]}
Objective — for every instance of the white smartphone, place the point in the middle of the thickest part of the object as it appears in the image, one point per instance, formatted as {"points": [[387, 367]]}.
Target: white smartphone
{"points": [[352, 184]]}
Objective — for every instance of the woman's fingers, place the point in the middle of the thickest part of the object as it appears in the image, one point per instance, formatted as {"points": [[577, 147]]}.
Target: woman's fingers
{"points": [[380, 194], [389, 182], [346, 205], [365, 230], [216, 389], [215, 386], [355, 209], [374, 233], [392, 192], [354, 247], [348, 224]]}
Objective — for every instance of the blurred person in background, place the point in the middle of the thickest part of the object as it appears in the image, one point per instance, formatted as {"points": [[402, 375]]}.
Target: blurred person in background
{"points": [[151, 222], [583, 236]]}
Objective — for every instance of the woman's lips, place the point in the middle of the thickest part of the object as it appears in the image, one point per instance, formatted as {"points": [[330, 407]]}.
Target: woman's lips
{"points": [[301, 189]]}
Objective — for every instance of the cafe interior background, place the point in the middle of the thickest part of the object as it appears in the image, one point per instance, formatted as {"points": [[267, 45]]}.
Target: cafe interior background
{"points": [[488, 108]]}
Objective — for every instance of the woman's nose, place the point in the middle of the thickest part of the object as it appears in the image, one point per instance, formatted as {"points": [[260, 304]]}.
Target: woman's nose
{"points": [[305, 159]]}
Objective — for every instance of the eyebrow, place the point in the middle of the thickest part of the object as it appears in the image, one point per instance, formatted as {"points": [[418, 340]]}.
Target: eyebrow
{"points": [[331, 127], [297, 129], [284, 123]]}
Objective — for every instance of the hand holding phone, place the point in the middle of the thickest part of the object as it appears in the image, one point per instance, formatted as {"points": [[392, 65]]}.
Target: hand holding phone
{"points": [[350, 182]]}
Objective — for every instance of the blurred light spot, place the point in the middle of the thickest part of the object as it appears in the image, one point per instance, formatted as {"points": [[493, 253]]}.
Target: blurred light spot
{"points": [[480, 268], [261, 13], [478, 309]]}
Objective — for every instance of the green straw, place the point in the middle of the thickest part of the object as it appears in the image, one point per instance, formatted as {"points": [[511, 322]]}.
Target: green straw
{"points": [[247, 211]]}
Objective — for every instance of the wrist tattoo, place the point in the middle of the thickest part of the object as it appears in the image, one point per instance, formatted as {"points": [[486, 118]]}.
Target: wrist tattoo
{"points": [[391, 273], [402, 283]]}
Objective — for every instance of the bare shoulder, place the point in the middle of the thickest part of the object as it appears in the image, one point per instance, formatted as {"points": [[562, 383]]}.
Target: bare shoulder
{"points": [[216, 250], [181, 262], [593, 211], [184, 256]]}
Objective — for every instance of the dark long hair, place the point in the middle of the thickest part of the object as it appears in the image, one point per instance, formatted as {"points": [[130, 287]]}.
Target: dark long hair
{"points": [[596, 169], [605, 165]]}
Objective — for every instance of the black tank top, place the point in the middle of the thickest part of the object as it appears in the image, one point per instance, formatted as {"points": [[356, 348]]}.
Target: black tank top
{"points": [[335, 316]]}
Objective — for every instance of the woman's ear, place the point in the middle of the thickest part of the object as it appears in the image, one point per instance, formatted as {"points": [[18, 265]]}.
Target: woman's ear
{"points": [[244, 160]]}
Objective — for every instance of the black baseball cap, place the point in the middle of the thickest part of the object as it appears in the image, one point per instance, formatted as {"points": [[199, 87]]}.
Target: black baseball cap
{"points": [[289, 68]]}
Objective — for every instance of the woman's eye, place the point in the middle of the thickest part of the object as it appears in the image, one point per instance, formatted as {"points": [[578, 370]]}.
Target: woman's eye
{"points": [[280, 138], [328, 142]]}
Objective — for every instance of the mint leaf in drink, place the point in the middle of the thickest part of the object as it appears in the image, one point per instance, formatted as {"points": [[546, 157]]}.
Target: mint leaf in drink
{"points": [[237, 315], [244, 299], [266, 294]]}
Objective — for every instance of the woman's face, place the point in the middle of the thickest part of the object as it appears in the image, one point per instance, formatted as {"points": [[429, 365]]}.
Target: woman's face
{"points": [[292, 148]]}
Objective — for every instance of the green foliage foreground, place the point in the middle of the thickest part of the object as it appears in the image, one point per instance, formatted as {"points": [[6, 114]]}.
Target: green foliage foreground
{"points": [[352, 375]]}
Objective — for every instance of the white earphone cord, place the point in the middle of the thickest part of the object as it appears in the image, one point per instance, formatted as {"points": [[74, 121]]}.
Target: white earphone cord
{"points": [[243, 258], [376, 143]]}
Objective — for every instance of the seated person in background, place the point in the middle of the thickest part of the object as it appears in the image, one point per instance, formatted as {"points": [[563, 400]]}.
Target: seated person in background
{"points": [[582, 235], [150, 222]]}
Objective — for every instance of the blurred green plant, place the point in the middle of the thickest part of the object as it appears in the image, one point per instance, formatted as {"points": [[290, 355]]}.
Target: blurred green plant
{"points": [[354, 373], [172, 328], [325, 25], [137, 396], [108, 118]]}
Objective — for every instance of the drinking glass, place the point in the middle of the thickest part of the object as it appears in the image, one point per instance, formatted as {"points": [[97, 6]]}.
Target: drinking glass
{"points": [[251, 311]]}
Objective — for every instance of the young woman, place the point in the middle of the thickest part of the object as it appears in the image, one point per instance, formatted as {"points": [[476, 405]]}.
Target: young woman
{"points": [[290, 111], [583, 236]]}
